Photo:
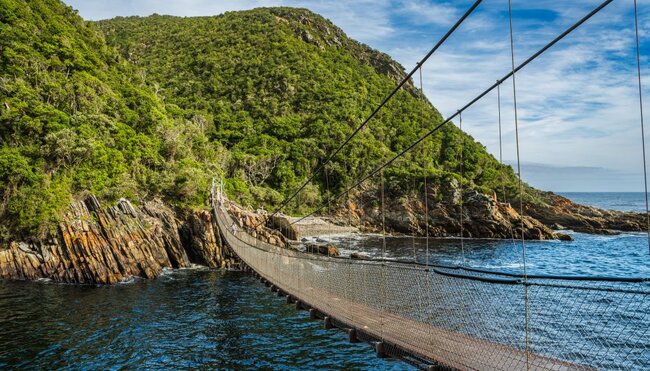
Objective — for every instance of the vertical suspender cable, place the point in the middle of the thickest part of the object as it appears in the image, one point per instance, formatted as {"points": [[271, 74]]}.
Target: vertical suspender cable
{"points": [[638, 71], [503, 184], [383, 253], [352, 293], [327, 183], [383, 218], [462, 175], [364, 272], [426, 175], [329, 205], [426, 218], [503, 176], [427, 289], [348, 204], [416, 225], [298, 204], [521, 187]]}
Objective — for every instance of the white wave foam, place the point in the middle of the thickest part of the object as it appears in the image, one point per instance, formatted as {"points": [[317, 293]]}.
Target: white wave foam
{"points": [[194, 267], [513, 265], [129, 280], [333, 237]]}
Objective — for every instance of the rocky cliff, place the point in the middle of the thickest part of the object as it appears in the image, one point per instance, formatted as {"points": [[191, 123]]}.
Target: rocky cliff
{"points": [[561, 213], [95, 245], [483, 216]]}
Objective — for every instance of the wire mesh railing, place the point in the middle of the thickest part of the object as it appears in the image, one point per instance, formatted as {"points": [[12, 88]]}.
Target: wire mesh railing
{"points": [[464, 320]]}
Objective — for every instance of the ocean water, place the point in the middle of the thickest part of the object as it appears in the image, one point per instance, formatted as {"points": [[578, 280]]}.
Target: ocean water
{"points": [[622, 201], [208, 319], [187, 319]]}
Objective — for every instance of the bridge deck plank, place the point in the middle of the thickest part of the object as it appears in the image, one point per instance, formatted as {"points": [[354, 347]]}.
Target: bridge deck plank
{"points": [[451, 348]]}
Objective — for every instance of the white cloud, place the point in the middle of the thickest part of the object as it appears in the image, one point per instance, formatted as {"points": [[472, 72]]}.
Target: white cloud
{"points": [[425, 12], [578, 104], [365, 20], [102, 9]]}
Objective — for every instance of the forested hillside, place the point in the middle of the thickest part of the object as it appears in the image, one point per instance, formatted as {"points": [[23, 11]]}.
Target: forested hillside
{"points": [[76, 118], [281, 88], [154, 107]]}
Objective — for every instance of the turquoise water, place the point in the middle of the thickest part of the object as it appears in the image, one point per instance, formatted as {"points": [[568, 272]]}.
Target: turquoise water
{"points": [[227, 320]]}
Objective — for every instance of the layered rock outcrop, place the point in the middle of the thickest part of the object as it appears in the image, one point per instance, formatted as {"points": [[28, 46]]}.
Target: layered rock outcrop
{"points": [[562, 213], [482, 216], [95, 245], [255, 224]]}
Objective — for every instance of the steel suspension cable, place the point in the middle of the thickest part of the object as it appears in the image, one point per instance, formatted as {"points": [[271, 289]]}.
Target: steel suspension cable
{"points": [[327, 182], [521, 187], [503, 183], [383, 219], [638, 71], [349, 278], [381, 105], [426, 207], [329, 207], [415, 190], [471, 103], [426, 218], [415, 225]]}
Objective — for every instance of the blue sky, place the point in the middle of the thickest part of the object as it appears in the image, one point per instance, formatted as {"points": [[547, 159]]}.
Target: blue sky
{"points": [[578, 104]]}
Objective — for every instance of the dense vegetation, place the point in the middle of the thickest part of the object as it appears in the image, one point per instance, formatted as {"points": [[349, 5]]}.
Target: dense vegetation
{"points": [[259, 96], [281, 88], [76, 118]]}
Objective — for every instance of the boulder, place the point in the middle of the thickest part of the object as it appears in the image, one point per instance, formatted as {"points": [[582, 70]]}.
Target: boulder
{"points": [[332, 250], [358, 256], [327, 250]]}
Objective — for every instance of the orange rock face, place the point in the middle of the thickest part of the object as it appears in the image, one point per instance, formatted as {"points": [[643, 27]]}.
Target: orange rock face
{"points": [[105, 246]]}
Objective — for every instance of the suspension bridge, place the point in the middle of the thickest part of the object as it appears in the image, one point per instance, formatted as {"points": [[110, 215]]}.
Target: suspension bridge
{"points": [[457, 317]]}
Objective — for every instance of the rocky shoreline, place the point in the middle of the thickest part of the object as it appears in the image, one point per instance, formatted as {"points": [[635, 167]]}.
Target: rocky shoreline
{"points": [[560, 213], [96, 245], [483, 216]]}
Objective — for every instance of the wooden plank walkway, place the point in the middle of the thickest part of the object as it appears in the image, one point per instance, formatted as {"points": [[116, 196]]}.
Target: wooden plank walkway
{"points": [[449, 348]]}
